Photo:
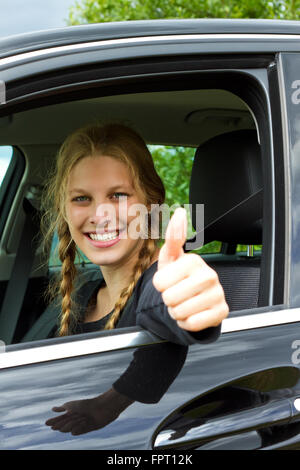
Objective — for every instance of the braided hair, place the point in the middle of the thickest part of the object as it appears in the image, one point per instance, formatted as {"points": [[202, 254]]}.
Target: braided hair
{"points": [[67, 253], [144, 260]]}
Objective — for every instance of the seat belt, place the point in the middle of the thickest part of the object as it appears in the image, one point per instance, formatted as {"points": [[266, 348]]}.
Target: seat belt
{"points": [[245, 212], [17, 285]]}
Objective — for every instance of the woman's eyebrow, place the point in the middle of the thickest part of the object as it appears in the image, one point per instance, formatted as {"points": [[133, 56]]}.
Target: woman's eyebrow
{"points": [[77, 190], [110, 189], [118, 186]]}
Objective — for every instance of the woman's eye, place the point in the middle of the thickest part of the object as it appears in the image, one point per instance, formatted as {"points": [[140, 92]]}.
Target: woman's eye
{"points": [[80, 198], [119, 195]]}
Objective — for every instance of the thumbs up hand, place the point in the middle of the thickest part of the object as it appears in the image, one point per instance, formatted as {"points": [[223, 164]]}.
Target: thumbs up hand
{"points": [[190, 288]]}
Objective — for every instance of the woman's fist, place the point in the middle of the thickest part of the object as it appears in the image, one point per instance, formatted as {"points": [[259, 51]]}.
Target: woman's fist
{"points": [[190, 288]]}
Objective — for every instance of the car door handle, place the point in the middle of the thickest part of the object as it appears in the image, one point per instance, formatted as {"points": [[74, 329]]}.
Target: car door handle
{"points": [[269, 414]]}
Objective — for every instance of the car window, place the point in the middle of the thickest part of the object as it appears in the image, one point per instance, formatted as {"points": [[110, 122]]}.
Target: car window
{"points": [[54, 260], [6, 153], [12, 167], [175, 165]]}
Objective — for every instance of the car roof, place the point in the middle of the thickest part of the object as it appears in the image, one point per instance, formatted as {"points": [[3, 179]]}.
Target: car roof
{"points": [[37, 40]]}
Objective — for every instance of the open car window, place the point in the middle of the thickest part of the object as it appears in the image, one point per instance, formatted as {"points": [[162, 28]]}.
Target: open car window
{"points": [[213, 139], [174, 166]]}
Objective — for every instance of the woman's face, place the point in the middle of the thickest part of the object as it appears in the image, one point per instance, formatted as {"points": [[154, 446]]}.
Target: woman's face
{"points": [[99, 195]]}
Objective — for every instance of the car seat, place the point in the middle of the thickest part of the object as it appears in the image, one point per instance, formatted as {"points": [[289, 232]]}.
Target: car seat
{"points": [[227, 178]]}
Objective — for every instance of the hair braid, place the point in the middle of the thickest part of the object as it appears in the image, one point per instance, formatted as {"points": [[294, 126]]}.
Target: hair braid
{"points": [[125, 145], [145, 257], [67, 252]]}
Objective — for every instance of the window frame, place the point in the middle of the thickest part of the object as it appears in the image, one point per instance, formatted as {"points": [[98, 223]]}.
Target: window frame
{"points": [[41, 97], [68, 347]]}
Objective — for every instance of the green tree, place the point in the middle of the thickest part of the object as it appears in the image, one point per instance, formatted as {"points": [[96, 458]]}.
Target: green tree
{"points": [[96, 11], [174, 166]]}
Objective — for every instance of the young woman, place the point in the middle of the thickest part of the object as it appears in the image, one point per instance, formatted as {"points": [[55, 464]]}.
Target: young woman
{"points": [[102, 173]]}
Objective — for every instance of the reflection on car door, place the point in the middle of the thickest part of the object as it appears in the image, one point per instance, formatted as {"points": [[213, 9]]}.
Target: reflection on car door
{"points": [[236, 393]]}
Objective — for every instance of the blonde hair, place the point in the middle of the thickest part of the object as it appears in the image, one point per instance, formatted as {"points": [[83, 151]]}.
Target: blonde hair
{"points": [[117, 141]]}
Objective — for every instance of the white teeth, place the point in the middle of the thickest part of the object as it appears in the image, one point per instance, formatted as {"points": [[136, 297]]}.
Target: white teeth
{"points": [[104, 236]]}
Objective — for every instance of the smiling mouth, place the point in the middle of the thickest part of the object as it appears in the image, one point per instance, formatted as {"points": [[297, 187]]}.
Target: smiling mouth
{"points": [[105, 236]]}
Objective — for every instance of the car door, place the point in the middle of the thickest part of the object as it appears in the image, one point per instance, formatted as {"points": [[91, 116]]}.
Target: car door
{"points": [[245, 400], [240, 392]]}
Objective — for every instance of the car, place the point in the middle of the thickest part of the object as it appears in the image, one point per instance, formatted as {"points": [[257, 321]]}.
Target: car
{"points": [[230, 91]]}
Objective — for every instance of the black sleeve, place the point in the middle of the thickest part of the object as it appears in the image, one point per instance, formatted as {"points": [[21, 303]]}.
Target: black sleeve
{"points": [[151, 372], [155, 367], [152, 314]]}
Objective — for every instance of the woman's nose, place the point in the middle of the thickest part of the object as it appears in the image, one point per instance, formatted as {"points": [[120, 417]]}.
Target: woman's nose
{"points": [[103, 215]]}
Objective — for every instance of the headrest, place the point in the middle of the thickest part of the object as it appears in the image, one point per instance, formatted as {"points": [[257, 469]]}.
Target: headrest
{"points": [[227, 179]]}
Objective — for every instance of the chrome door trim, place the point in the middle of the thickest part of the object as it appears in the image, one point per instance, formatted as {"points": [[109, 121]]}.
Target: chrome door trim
{"points": [[260, 320], [144, 39], [68, 349], [287, 182], [115, 341]]}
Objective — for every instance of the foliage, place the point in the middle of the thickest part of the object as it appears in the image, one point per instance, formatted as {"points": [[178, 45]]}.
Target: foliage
{"points": [[96, 11], [174, 166]]}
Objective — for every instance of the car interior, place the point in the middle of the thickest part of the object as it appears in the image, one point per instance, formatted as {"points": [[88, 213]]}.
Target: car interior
{"points": [[226, 177]]}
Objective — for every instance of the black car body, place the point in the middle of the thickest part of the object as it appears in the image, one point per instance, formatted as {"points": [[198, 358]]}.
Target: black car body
{"points": [[230, 88]]}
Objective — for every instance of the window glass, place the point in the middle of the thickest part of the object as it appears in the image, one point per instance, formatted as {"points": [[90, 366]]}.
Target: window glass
{"points": [[244, 248], [6, 153], [174, 166]]}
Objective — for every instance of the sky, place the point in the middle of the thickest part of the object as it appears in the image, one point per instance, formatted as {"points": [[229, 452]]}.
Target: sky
{"points": [[22, 16]]}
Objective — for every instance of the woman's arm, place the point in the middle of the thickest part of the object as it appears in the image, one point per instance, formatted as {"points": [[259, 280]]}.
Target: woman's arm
{"points": [[187, 290]]}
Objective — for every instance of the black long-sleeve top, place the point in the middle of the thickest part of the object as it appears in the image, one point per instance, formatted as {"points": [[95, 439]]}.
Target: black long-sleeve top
{"points": [[145, 308]]}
